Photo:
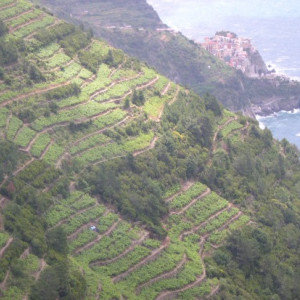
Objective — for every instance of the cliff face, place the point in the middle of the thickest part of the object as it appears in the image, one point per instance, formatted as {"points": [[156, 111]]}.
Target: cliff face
{"points": [[257, 66]]}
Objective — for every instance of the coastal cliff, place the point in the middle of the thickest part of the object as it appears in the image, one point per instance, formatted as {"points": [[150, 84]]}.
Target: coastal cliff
{"points": [[135, 27]]}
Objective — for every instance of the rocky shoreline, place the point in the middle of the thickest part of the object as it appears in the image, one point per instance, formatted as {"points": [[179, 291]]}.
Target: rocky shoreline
{"points": [[275, 104]]}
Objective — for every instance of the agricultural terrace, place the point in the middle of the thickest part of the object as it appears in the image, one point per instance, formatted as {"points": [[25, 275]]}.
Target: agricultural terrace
{"points": [[75, 101], [86, 94], [128, 263]]}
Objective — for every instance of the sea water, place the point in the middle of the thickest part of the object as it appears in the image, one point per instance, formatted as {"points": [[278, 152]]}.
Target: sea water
{"points": [[272, 26], [283, 124]]}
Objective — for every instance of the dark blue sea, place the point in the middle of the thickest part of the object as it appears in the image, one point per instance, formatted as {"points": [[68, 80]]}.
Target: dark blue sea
{"points": [[272, 26]]}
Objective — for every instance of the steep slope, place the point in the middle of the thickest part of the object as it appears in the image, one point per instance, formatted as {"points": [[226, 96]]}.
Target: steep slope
{"points": [[118, 183], [177, 57]]}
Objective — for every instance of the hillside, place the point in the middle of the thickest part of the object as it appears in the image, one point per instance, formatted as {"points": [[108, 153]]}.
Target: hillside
{"points": [[177, 57], [118, 183]]}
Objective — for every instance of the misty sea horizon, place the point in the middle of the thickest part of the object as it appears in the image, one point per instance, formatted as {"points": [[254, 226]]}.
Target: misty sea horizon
{"points": [[271, 25]]}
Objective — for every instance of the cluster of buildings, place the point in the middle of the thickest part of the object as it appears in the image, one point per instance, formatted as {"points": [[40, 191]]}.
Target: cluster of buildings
{"points": [[235, 51]]}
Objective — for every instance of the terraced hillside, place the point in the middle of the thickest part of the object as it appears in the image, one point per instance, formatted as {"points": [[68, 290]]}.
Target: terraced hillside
{"points": [[103, 165]]}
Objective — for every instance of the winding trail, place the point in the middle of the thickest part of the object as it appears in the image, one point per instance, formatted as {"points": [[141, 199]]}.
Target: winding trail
{"points": [[14, 3], [112, 84], [196, 228], [135, 153], [75, 234], [143, 86], [99, 131], [166, 89], [129, 249], [34, 93], [219, 129], [3, 283], [185, 208], [95, 241], [38, 18], [175, 96], [10, 240], [183, 188], [42, 266], [214, 291], [151, 146], [171, 294], [46, 149], [21, 14], [231, 220], [25, 253], [23, 167], [144, 261], [78, 212], [3, 202], [164, 275]]}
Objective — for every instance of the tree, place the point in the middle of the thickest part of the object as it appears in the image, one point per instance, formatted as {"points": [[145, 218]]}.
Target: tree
{"points": [[3, 28]]}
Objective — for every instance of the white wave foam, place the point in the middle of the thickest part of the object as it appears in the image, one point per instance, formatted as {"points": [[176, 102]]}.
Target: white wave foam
{"points": [[282, 71], [262, 125]]}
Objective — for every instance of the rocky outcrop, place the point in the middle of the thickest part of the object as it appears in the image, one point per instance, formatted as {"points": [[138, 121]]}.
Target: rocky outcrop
{"points": [[275, 104]]}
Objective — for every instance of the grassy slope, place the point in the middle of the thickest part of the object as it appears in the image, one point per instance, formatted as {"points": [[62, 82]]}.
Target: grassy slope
{"points": [[120, 259], [49, 138]]}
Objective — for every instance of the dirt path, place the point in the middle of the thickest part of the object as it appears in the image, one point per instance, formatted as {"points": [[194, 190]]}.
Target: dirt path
{"points": [[214, 291], [46, 149], [18, 131], [131, 248], [38, 18], [219, 129], [111, 85], [3, 283], [10, 240], [116, 70], [183, 188], [175, 96], [135, 153], [89, 80], [75, 234], [3, 202], [144, 261], [184, 209], [166, 89], [172, 294], [28, 147], [42, 266], [34, 93], [23, 167], [78, 212], [99, 131], [196, 228], [92, 243], [234, 218], [21, 14], [152, 145], [25, 253], [143, 86], [14, 3], [99, 291], [117, 99], [164, 275], [7, 123]]}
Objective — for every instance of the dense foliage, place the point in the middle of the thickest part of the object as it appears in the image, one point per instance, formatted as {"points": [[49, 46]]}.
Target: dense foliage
{"points": [[111, 176]]}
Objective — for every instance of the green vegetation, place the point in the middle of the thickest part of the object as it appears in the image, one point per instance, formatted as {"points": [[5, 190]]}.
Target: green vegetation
{"points": [[24, 136], [90, 151], [195, 191], [40, 144]]}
